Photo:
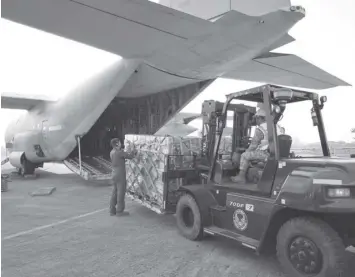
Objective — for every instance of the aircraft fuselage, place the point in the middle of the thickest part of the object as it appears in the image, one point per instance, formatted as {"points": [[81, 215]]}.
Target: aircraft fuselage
{"points": [[54, 126], [48, 131]]}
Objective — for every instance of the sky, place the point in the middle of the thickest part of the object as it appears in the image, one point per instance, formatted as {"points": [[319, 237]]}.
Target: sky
{"points": [[35, 62]]}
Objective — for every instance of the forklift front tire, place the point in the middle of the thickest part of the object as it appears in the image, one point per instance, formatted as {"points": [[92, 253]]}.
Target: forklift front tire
{"points": [[188, 218], [308, 246]]}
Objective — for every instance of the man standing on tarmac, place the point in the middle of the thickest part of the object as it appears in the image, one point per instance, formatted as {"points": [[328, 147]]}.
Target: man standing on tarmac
{"points": [[258, 148], [118, 157]]}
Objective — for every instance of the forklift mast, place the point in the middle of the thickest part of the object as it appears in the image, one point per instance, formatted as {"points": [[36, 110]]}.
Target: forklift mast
{"points": [[211, 112], [213, 118]]}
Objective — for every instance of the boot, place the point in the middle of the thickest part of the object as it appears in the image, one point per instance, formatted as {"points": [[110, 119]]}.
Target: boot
{"points": [[122, 213], [240, 178]]}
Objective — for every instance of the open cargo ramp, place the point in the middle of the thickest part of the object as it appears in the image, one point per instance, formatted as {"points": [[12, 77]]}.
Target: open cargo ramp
{"points": [[90, 168]]}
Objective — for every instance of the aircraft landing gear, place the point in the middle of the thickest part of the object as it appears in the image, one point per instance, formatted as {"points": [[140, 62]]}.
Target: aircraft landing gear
{"points": [[27, 168]]}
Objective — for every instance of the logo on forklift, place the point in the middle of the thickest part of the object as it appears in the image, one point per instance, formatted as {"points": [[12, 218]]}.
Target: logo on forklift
{"points": [[240, 220]]}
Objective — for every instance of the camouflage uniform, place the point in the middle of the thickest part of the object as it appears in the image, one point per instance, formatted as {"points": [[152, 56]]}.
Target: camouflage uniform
{"points": [[119, 179], [253, 153]]}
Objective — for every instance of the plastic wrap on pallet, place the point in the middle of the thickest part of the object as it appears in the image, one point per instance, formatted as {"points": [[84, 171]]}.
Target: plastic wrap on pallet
{"points": [[145, 172], [167, 145], [161, 146]]}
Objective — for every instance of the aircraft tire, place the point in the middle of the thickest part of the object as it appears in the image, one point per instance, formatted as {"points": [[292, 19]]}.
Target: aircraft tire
{"points": [[188, 218], [307, 244], [27, 168]]}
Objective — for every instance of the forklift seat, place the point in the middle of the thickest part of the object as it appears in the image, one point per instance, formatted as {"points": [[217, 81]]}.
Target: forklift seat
{"points": [[285, 142], [258, 164], [257, 167]]}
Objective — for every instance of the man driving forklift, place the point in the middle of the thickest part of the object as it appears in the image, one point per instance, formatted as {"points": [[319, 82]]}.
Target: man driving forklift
{"points": [[258, 149]]}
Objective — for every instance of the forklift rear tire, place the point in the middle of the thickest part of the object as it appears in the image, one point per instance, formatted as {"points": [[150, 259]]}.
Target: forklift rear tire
{"points": [[308, 246], [188, 218]]}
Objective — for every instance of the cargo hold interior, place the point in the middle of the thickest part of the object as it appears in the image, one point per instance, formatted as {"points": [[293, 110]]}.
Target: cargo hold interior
{"points": [[142, 115]]}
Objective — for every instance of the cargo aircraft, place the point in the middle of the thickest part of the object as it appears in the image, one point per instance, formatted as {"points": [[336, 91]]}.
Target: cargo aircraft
{"points": [[170, 51]]}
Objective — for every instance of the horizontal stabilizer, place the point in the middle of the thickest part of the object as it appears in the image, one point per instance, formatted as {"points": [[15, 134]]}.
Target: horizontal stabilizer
{"points": [[207, 9], [22, 102], [259, 7], [286, 39], [286, 70]]}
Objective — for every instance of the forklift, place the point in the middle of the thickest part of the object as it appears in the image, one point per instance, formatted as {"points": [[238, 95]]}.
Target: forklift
{"points": [[212, 115], [302, 207]]}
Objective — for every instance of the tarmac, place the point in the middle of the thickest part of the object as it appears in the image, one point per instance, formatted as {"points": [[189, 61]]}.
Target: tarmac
{"points": [[70, 233]]}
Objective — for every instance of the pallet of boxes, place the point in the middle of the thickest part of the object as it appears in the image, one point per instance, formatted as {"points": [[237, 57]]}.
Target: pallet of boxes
{"points": [[161, 166]]}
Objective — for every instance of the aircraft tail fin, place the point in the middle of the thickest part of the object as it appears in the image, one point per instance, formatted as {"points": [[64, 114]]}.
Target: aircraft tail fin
{"points": [[22, 102]]}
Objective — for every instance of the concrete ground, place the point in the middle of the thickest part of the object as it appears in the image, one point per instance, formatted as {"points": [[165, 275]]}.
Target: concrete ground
{"points": [[70, 233]]}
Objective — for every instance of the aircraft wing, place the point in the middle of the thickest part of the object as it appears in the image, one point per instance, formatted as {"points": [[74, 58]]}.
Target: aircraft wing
{"points": [[287, 70], [21, 102], [175, 43], [129, 28]]}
